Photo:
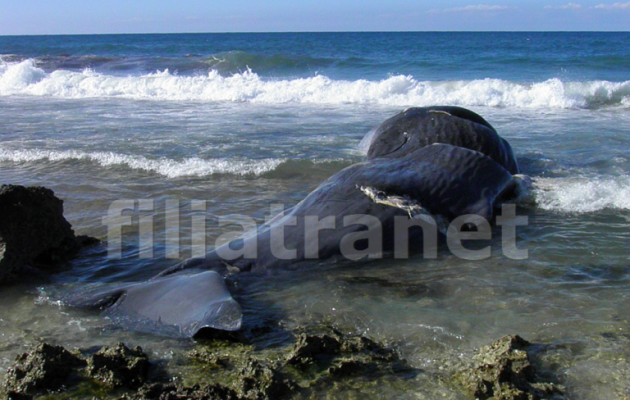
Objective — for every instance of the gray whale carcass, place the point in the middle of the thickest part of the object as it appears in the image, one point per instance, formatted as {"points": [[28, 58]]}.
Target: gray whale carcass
{"points": [[438, 180], [418, 127], [441, 181]]}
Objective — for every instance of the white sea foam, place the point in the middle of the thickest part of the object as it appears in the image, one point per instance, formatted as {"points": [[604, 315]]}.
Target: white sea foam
{"points": [[582, 195], [165, 167], [25, 78]]}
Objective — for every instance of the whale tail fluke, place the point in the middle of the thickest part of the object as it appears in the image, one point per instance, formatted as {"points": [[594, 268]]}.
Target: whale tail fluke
{"points": [[181, 304]]}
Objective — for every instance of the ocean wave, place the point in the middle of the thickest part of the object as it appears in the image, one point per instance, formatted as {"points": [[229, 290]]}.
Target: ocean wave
{"points": [[226, 63], [582, 195], [166, 167], [237, 61], [25, 78]]}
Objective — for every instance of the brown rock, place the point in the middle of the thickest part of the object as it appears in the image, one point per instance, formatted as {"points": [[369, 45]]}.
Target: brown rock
{"points": [[44, 367], [159, 391], [344, 368], [502, 371], [260, 382], [119, 366], [307, 347]]}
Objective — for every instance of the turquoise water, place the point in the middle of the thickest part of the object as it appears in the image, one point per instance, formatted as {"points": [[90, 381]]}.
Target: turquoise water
{"points": [[246, 120]]}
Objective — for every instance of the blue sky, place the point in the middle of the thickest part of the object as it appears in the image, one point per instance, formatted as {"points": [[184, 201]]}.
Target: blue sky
{"points": [[23, 17]]}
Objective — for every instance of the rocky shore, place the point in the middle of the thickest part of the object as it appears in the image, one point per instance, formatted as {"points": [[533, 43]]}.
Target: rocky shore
{"points": [[315, 364], [321, 362]]}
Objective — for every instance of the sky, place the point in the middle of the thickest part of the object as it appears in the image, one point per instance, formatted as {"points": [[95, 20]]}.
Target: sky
{"points": [[35, 17]]}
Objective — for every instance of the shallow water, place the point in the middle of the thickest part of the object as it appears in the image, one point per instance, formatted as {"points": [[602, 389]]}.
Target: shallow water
{"points": [[242, 140]]}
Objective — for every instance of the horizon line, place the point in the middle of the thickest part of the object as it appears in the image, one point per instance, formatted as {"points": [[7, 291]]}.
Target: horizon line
{"points": [[306, 32]]}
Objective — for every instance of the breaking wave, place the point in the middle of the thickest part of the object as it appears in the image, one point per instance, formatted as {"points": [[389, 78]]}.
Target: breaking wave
{"points": [[25, 78], [165, 167], [581, 195], [272, 168]]}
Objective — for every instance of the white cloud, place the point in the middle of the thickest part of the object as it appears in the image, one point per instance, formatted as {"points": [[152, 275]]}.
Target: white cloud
{"points": [[570, 6], [614, 6], [478, 7]]}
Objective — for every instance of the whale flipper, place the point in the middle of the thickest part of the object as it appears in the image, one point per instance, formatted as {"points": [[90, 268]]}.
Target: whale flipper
{"points": [[180, 302]]}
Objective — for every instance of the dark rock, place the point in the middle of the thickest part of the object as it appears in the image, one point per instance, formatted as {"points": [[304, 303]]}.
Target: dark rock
{"points": [[344, 368], [316, 363], [503, 371], [211, 359], [210, 334], [42, 368], [33, 230], [260, 382], [18, 396], [221, 355], [308, 347], [159, 391], [119, 366], [375, 351], [253, 375]]}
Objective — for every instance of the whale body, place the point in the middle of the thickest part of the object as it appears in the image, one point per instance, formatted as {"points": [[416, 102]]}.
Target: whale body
{"points": [[441, 181], [353, 214], [418, 127]]}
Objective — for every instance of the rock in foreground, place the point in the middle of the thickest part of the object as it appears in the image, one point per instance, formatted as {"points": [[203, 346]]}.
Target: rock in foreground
{"points": [[158, 391], [41, 369], [502, 371], [119, 366], [33, 230]]}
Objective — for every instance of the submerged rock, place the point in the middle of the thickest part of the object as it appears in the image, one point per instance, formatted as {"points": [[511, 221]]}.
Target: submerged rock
{"points": [[255, 381], [261, 382], [376, 351], [347, 368], [43, 368], [33, 230], [503, 371], [314, 364], [254, 375], [309, 347], [159, 391], [47, 368], [119, 366]]}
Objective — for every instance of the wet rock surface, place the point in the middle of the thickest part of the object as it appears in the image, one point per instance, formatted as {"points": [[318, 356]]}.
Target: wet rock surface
{"points": [[158, 391], [47, 368], [309, 347], [503, 371], [316, 365], [258, 381], [119, 366], [33, 231], [41, 369], [312, 366], [347, 368]]}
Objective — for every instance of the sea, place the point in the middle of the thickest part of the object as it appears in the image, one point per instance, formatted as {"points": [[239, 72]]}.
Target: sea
{"points": [[220, 125]]}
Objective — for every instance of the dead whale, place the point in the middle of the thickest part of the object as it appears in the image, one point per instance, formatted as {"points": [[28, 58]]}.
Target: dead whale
{"points": [[353, 214]]}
